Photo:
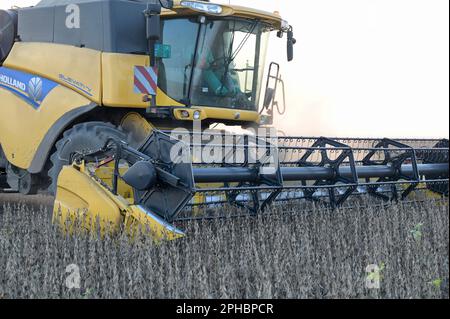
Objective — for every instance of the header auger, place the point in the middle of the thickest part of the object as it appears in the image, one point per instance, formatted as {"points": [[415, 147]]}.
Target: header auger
{"points": [[112, 115]]}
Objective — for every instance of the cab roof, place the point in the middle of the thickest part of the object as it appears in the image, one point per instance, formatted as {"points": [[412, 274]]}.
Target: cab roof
{"points": [[228, 10]]}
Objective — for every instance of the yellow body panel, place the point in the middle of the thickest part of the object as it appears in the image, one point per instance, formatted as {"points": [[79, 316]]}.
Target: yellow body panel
{"points": [[22, 128], [104, 78], [76, 68], [118, 82]]}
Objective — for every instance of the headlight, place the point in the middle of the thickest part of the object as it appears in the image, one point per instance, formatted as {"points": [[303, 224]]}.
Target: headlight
{"points": [[185, 114], [266, 120], [204, 7], [197, 115]]}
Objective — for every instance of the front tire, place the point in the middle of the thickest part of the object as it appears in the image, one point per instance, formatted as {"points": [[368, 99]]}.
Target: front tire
{"points": [[84, 137]]}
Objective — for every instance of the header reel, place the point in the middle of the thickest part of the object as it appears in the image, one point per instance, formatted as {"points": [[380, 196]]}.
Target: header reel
{"points": [[169, 181]]}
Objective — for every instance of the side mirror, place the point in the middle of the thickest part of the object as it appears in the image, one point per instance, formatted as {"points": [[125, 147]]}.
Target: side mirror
{"points": [[290, 44], [166, 4], [153, 18], [154, 27]]}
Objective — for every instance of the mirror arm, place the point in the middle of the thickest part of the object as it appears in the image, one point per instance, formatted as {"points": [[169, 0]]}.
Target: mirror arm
{"points": [[291, 41], [153, 28]]}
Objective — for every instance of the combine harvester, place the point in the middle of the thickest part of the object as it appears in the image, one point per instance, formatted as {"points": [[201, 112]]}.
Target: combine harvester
{"points": [[100, 98]]}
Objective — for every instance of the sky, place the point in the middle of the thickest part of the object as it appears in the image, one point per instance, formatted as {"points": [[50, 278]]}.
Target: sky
{"points": [[368, 68]]}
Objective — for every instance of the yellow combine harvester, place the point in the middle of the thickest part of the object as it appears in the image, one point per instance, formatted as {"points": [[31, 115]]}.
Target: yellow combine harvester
{"points": [[98, 100]]}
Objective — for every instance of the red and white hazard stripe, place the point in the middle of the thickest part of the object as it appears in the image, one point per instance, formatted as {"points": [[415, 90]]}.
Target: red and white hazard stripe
{"points": [[145, 80]]}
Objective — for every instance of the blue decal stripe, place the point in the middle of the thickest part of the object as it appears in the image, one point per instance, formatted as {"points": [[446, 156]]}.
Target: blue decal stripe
{"points": [[21, 96]]}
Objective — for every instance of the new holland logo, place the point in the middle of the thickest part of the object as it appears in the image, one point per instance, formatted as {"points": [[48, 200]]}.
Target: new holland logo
{"points": [[34, 89], [11, 82], [30, 88]]}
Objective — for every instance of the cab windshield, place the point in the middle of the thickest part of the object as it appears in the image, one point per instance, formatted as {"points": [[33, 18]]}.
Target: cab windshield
{"points": [[218, 63]]}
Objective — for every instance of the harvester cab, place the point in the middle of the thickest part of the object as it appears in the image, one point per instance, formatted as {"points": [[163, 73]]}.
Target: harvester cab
{"points": [[106, 104], [135, 64]]}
